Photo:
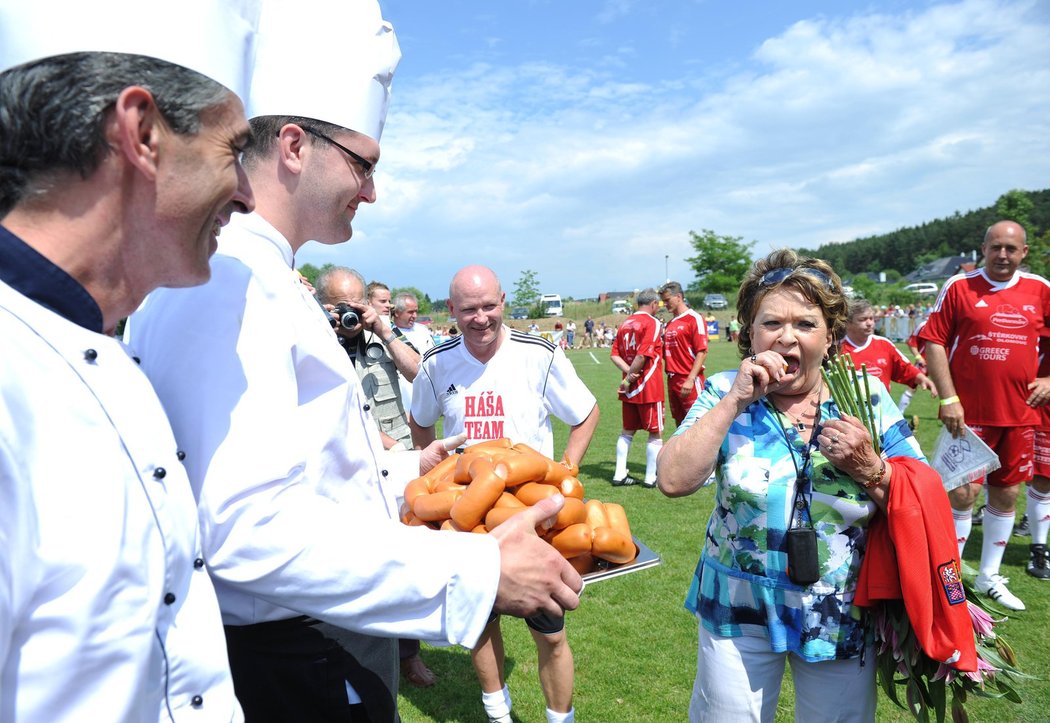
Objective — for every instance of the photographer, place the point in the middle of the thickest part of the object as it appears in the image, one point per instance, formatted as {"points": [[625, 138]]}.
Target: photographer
{"points": [[378, 352]]}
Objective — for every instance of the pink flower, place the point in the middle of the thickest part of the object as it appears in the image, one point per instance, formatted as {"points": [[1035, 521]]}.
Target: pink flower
{"points": [[983, 624], [984, 671]]}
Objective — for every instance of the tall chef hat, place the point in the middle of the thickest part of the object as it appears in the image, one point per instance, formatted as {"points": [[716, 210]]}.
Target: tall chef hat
{"points": [[213, 37], [330, 61]]}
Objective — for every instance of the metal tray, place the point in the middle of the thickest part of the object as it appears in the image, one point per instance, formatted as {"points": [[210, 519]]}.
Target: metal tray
{"points": [[646, 559]]}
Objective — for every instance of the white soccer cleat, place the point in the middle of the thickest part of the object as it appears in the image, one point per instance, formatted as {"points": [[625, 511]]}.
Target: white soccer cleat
{"points": [[994, 587]]}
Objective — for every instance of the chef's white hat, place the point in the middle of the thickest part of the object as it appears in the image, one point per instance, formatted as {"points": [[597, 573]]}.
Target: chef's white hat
{"points": [[330, 61], [213, 37]]}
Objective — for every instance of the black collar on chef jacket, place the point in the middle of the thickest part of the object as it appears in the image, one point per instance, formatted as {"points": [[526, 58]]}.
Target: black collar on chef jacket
{"points": [[28, 272]]}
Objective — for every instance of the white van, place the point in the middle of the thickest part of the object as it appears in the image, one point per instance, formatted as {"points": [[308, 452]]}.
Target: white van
{"points": [[621, 306], [923, 288], [551, 304]]}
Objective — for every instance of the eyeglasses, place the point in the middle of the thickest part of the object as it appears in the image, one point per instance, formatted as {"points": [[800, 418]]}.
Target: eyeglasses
{"points": [[367, 167], [775, 276]]}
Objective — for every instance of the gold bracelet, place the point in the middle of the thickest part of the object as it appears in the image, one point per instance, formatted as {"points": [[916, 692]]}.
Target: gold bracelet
{"points": [[875, 477]]}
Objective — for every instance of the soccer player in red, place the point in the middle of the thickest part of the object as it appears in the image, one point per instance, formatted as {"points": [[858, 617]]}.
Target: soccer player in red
{"points": [[981, 347], [882, 357], [636, 352], [685, 349], [1038, 508]]}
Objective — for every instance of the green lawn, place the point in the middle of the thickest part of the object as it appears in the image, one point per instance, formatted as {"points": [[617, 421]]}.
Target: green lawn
{"points": [[634, 643]]}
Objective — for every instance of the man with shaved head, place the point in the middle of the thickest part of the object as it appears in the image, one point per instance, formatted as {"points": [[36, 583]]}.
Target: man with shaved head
{"points": [[981, 347], [492, 382]]}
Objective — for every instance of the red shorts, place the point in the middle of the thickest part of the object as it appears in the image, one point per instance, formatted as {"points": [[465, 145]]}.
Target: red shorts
{"points": [[680, 407], [648, 416], [1042, 452], [1016, 449]]}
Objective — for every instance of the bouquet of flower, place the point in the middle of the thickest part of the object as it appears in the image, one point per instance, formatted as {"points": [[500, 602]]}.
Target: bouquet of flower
{"points": [[902, 663], [852, 393], [900, 659]]}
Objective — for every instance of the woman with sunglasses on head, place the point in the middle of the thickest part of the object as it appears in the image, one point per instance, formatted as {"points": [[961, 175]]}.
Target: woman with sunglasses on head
{"points": [[797, 483]]}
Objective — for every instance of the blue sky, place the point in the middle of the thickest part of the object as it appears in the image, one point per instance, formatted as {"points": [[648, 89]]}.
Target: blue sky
{"points": [[584, 139]]}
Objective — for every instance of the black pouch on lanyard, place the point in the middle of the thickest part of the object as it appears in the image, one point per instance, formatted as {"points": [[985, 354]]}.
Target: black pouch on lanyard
{"points": [[803, 566]]}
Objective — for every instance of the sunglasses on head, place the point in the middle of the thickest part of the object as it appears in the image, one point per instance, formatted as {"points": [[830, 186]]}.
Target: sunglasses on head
{"points": [[775, 276]]}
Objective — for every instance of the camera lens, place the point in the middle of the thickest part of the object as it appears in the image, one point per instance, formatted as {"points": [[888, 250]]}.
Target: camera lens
{"points": [[349, 319]]}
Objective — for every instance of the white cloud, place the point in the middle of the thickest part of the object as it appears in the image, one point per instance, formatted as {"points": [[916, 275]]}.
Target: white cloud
{"points": [[836, 127]]}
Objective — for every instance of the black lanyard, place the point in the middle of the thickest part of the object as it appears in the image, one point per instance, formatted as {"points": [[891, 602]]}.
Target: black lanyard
{"points": [[800, 505]]}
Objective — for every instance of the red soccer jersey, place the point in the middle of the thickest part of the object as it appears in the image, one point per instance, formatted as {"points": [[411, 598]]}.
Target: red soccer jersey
{"points": [[685, 336], [884, 360], [639, 334], [916, 343], [991, 332]]}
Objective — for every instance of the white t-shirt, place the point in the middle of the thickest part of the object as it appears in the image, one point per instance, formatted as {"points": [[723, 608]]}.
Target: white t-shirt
{"points": [[423, 341], [513, 395]]}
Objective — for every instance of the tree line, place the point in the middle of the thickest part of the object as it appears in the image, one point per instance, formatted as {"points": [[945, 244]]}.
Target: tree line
{"points": [[721, 261]]}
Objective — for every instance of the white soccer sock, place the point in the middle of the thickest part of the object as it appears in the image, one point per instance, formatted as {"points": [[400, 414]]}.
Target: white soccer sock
{"points": [[963, 525], [554, 716], [652, 451], [623, 446], [905, 399], [497, 705], [1038, 515], [998, 526]]}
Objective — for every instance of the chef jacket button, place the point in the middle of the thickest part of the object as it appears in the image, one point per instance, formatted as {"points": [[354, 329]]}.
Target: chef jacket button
{"points": [[160, 473], [198, 563], [169, 599], [367, 407], [136, 360], [384, 472], [181, 455], [90, 355], [197, 701]]}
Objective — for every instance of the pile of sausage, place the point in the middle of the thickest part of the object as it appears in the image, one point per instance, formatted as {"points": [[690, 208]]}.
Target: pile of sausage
{"points": [[491, 481]]}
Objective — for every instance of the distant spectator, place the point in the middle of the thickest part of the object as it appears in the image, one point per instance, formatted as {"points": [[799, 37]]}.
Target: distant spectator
{"points": [[588, 332], [570, 333]]}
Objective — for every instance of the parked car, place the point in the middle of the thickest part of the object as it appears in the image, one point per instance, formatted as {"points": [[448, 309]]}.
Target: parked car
{"points": [[715, 301], [519, 312], [621, 306], [923, 288]]}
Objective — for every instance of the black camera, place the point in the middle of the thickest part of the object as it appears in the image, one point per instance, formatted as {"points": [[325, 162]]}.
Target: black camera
{"points": [[346, 316]]}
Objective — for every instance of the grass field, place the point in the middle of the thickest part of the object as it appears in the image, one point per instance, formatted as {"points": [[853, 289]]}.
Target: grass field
{"points": [[635, 645]]}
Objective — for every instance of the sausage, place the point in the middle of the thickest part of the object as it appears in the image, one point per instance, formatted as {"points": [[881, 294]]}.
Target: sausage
{"points": [[618, 519], [447, 483], [611, 545], [532, 492], [574, 540], [480, 530], [571, 487], [442, 468], [556, 472], [583, 563], [498, 515], [596, 514], [417, 487], [524, 467], [572, 513], [479, 497], [435, 506], [462, 473], [508, 500], [490, 444]]}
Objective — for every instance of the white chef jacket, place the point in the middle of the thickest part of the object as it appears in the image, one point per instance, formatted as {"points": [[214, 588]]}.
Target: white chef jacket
{"points": [[104, 615], [286, 459]]}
